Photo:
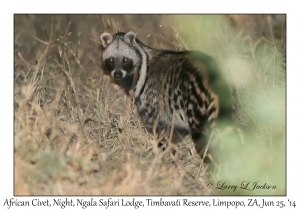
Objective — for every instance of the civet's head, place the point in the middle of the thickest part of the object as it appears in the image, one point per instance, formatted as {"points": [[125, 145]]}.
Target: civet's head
{"points": [[120, 56]]}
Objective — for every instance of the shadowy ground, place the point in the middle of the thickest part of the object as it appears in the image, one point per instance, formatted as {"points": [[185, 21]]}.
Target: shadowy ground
{"points": [[76, 133]]}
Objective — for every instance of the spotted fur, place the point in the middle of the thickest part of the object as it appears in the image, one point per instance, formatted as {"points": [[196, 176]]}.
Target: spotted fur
{"points": [[186, 85]]}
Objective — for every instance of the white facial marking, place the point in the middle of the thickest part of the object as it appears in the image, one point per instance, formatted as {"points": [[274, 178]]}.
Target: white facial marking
{"points": [[123, 73], [112, 73]]}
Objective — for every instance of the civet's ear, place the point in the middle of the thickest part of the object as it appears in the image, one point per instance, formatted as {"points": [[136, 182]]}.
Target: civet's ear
{"points": [[129, 38], [106, 39]]}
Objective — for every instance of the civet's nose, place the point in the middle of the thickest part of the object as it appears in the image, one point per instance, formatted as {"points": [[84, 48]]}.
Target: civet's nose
{"points": [[119, 74]]}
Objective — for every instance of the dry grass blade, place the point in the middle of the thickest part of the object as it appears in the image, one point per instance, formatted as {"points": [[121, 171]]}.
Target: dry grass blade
{"points": [[76, 133]]}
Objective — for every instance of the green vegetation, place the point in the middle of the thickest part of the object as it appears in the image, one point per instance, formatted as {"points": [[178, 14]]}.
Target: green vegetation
{"points": [[76, 133]]}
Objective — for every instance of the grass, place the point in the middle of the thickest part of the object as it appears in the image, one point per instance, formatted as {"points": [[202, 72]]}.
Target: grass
{"points": [[76, 133]]}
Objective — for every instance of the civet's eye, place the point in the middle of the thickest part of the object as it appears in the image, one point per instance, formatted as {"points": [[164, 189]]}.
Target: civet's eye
{"points": [[111, 60], [125, 60]]}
